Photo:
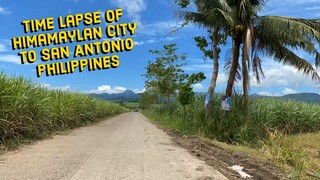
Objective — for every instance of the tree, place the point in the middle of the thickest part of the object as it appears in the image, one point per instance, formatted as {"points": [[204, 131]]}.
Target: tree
{"points": [[147, 99], [164, 75], [186, 93], [253, 35], [212, 52], [217, 37], [271, 36]]}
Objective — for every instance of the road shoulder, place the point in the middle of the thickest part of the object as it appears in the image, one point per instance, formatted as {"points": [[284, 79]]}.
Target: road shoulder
{"points": [[221, 159]]}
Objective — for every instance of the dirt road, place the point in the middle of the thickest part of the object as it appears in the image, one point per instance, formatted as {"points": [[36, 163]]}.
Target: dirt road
{"points": [[123, 147]]}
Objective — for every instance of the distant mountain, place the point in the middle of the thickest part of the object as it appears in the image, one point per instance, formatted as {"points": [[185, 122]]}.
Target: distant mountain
{"points": [[304, 97], [256, 95], [127, 95]]}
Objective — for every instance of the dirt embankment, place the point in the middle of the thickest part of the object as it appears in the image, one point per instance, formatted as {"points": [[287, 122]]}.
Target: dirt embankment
{"points": [[222, 159]]}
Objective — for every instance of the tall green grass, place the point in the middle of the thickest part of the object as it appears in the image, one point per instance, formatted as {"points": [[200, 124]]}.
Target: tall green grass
{"points": [[29, 111], [263, 118], [272, 126]]}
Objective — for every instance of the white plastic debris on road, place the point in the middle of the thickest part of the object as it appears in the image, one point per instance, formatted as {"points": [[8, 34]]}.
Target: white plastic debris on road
{"points": [[239, 170]]}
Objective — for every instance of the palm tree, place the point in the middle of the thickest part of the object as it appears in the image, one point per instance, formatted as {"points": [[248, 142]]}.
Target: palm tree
{"points": [[202, 20], [256, 36], [216, 39]]}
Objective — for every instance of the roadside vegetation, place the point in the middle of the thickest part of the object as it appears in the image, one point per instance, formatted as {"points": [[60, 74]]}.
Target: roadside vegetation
{"points": [[265, 118], [284, 132], [29, 111], [130, 104]]}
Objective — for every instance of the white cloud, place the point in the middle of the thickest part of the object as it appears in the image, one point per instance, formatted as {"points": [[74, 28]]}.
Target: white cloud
{"points": [[45, 85], [10, 58], [198, 67], [2, 48], [137, 91], [103, 16], [289, 91], [4, 11], [157, 40], [5, 41], [138, 43], [153, 40], [161, 29], [166, 29], [222, 79], [108, 89], [133, 8], [267, 93], [277, 74], [297, 8], [207, 68], [158, 28], [112, 90], [62, 88], [203, 65], [198, 87]]}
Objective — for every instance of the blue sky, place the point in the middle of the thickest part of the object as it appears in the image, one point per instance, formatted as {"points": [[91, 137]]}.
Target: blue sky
{"points": [[155, 19]]}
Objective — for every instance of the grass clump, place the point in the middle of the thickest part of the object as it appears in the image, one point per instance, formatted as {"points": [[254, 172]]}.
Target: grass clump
{"points": [[29, 111], [297, 154]]}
